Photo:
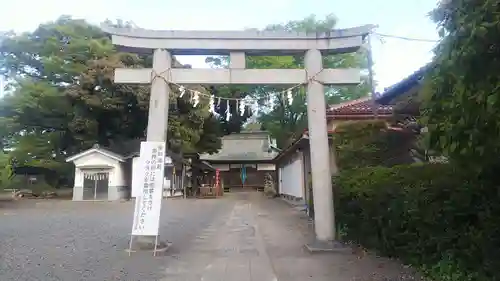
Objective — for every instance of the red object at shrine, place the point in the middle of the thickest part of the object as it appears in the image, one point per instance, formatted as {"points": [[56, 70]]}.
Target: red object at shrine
{"points": [[217, 178]]}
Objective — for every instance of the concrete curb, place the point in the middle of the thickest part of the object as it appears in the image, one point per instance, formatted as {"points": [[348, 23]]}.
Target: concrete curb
{"points": [[294, 205]]}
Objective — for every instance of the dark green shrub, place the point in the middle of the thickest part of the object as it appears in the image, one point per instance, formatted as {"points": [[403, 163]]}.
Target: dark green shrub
{"points": [[435, 216], [370, 143]]}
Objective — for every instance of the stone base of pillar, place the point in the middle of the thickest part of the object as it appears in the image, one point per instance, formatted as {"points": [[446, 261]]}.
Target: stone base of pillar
{"points": [[318, 246], [147, 244]]}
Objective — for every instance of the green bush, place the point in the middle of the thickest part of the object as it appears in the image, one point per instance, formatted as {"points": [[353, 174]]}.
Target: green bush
{"points": [[5, 170], [370, 143], [434, 216]]}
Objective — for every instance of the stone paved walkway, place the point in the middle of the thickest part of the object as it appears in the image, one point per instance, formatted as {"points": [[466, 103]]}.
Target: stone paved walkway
{"points": [[231, 248], [285, 230], [262, 240]]}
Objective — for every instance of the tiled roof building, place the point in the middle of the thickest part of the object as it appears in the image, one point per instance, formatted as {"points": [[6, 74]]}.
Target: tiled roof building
{"points": [[357, 109]]}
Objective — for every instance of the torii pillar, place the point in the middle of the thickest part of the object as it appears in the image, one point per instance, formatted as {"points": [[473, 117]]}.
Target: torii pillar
{"points": [[324, 219], [238, 44]]}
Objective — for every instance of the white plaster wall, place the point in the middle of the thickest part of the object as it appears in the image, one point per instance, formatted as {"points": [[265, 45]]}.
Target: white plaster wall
{"points": [[78, 187], [95, 161], [136, 181], [118, 187], [280, 180], [292, 176]]}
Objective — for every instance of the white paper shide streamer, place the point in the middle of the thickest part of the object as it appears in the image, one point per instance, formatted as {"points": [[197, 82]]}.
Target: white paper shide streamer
{"points": [[242, 107], [240, 103], [182, 90], [228, 111], [196, 99], [212, 105], [289, 97]]}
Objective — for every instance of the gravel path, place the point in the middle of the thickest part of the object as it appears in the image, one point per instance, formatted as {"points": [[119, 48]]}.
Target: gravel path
{"points": [[64, 240], [242, 236]]}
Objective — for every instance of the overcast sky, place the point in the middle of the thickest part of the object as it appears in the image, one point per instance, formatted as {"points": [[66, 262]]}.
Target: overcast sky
{"points": [[394, 58]]}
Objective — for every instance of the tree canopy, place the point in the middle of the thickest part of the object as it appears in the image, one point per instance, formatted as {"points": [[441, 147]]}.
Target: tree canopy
{"points": [[64, 99], [284, 120], [461, 97]]}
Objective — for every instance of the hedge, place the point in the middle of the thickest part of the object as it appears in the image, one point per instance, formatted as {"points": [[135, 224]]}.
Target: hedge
{"points": [[370, 143], [433, 216]]}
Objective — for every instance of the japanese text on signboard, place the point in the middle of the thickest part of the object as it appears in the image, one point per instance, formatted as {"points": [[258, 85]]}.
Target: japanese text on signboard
{"points": [[153, 170]]}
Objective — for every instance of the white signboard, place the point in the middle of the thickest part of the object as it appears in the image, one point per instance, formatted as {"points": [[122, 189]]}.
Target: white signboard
{"points": [[148, 201]]}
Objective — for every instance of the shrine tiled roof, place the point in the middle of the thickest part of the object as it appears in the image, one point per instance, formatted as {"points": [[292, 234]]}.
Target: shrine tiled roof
{"points": [[243, 146], [404, 85], [360, 108]]}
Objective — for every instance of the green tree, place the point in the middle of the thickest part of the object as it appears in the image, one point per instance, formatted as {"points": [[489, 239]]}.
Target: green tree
{"points": [[286, 121], [64, 98], [5, 170], [228, 111], [461, 104]]}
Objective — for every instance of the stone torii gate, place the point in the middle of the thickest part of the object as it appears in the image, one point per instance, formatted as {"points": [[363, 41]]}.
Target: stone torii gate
{"points": [[236, 45]]}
